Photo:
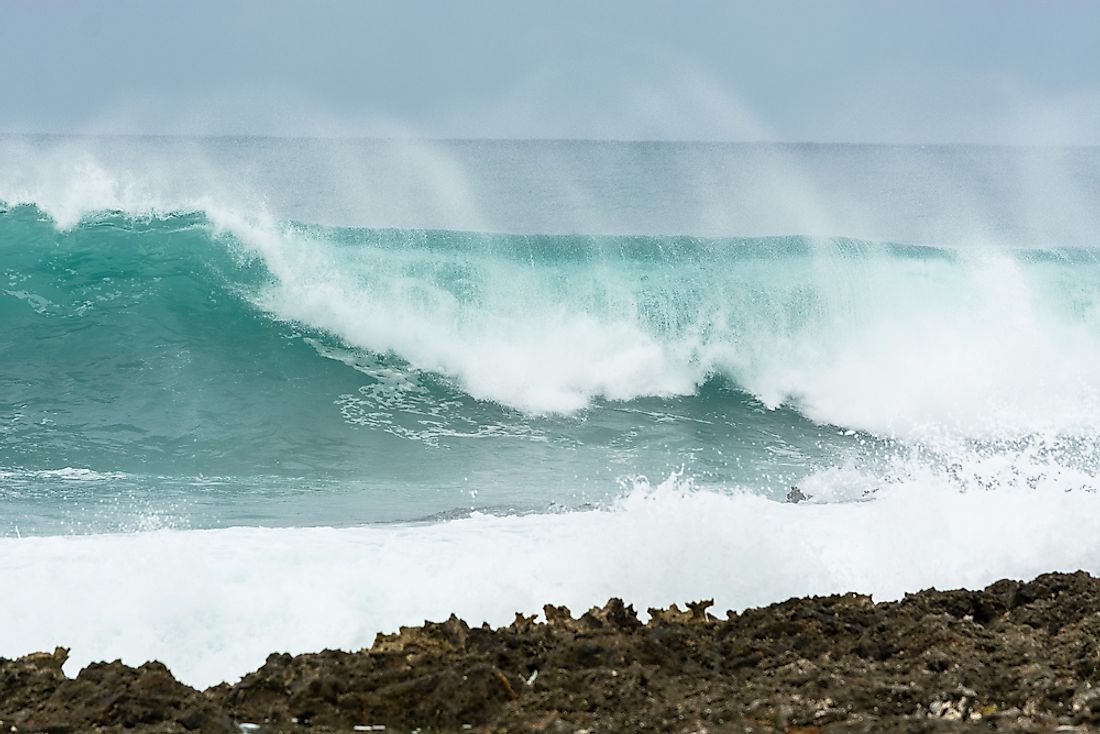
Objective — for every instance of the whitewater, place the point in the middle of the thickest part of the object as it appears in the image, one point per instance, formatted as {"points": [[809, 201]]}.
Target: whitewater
{"points": [[262, 394]]}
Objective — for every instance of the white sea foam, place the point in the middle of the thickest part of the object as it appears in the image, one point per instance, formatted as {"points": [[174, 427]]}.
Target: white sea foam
{"points": [[213, 604], [978, 344], [67, 473]]}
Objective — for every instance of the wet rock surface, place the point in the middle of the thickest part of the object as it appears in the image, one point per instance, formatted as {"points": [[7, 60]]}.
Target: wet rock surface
{"points": [[1019, 657]]}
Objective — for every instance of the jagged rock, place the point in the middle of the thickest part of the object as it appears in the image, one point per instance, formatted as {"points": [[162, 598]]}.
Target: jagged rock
{"points": [[1014, 657], [36, 696]]}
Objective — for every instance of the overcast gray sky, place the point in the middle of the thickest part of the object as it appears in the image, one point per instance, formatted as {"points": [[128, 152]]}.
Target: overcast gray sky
{"points": [[796, 70]]}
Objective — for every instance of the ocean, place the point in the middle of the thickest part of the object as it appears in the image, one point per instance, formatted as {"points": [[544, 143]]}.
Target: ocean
{"points": [[264, 394]]}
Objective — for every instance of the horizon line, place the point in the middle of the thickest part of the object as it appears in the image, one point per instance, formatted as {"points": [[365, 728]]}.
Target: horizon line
{"points": [[593, 140]]}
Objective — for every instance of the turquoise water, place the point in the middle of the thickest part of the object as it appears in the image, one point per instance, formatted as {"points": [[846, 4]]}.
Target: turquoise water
{"points": [[147, 354], [299, 332], [161, 371]]}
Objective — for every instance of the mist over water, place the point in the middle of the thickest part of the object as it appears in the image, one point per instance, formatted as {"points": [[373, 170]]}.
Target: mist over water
{"points": [[547, 351], [939, 195]]}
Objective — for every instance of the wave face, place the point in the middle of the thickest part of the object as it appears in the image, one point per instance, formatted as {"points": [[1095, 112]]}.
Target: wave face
{"points": [[207, 348], [207, 351]]}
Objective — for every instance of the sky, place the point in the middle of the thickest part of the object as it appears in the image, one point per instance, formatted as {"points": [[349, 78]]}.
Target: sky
{"points": [[924, 71]]}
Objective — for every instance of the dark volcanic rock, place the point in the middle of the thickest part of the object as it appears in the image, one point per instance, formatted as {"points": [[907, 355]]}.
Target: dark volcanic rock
{"points": [[35, 696], [1014, 657]]}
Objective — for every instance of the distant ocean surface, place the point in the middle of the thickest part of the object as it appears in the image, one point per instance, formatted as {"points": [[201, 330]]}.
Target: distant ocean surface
{"points": [[268, 394]]}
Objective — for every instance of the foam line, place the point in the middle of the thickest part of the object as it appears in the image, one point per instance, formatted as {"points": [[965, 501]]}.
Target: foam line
{"points": [[213, 604]]}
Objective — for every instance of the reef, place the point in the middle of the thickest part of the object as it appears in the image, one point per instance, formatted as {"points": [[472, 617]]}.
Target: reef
{"points": [[1014, 657]]}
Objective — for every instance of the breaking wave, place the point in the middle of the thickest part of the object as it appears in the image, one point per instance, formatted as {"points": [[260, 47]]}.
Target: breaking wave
{"points": [[892, 339]]}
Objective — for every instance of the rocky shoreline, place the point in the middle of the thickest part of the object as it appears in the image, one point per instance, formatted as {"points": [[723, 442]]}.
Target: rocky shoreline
{"points": [[1014, 657]]}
